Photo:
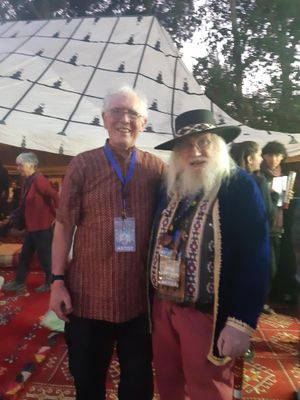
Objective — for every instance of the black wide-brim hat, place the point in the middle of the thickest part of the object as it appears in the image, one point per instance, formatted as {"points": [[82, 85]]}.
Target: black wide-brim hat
{"points": [[198, 122]]}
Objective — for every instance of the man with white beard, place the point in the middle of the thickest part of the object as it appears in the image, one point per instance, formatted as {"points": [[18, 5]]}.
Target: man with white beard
{"points": [[209, 265]]}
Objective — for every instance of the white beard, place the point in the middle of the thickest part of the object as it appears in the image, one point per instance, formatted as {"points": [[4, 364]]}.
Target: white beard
{"points": [[207, 179], [186, 180]]}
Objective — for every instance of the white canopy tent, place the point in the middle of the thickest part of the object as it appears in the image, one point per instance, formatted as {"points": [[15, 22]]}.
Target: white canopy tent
{"points": [[55, 73]]}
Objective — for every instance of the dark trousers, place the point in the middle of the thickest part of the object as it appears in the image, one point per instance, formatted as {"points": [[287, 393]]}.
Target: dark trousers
{"points": [[3, 205], [91, 344], [275, 244], [39, 241], [274, 287]]}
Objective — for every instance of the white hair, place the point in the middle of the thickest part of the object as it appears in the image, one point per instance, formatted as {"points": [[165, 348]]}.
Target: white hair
{"points": [[127, 90], [183, 182], [27, 158]]}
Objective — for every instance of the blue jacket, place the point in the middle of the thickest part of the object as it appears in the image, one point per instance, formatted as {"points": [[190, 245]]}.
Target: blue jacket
{"points": [[241, 262]]}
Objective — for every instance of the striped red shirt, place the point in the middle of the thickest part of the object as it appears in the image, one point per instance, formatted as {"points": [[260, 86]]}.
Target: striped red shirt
{"points": [[103, 284]]}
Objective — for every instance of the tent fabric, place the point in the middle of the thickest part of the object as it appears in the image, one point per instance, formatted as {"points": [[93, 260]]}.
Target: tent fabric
{"points": [[54, 75]]}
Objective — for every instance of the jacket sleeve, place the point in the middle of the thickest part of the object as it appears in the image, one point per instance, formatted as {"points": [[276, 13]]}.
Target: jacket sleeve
{"points": [[245, 253], [44, 188], [270, 198]]}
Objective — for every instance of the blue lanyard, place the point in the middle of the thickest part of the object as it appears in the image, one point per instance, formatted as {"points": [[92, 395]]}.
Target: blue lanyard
{"points": [[123, 181]]}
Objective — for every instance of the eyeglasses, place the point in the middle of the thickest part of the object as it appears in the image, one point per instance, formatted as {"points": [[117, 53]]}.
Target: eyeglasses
{"points": [[201, 143], [118, 113]]}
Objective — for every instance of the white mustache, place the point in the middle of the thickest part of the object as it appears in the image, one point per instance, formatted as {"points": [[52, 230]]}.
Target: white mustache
{"points": [[196, 160]]}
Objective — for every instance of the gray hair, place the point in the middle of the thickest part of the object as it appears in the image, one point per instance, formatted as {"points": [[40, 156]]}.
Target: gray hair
{"points": [[27, 158], [127, 90]]}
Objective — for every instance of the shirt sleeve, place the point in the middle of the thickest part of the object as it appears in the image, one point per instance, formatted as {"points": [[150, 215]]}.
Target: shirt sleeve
{"points": [[70, 203]]}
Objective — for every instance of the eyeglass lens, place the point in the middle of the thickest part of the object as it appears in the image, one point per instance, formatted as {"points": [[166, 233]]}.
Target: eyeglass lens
{"points": [[120, 112]]}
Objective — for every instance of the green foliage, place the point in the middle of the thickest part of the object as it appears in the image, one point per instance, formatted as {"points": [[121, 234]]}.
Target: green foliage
{"points": [[246, 39]]}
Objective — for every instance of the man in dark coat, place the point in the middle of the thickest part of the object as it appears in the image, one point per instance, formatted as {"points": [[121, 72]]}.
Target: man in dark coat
{"points": [[209, 263]]}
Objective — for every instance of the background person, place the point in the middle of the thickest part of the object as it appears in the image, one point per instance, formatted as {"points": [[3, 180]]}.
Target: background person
{"points": [[286, 283], [38, 201], [209, 265], [247, 155], [274, 154], [108, 194], [4, 184], [295, 233], [13, 198]]}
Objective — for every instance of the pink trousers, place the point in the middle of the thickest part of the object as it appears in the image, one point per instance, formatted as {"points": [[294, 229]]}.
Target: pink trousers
{"points": [[181, 341]]}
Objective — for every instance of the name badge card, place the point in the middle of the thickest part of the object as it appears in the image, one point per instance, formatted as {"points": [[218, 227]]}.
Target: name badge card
{"points": [[124, 230], [169, 269]]}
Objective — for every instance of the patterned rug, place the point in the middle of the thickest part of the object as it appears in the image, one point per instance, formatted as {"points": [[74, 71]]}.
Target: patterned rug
{"points": [[24, 342], [34, 361], [55, 382], [274, 372]]}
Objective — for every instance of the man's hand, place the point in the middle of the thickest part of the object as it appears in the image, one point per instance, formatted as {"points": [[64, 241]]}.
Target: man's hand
{"points": [[232, 342], [60, 301]]}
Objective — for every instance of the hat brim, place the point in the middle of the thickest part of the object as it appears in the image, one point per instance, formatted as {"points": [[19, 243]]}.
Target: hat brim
{"points": [[228, 133]]}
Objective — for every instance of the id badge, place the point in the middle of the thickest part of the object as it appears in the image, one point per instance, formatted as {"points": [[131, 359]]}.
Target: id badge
{"points": [[124, 230], [169, 269]]}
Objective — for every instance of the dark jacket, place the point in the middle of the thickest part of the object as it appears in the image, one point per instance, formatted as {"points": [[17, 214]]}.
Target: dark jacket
{"points": [[270, 198], [241, 256]]}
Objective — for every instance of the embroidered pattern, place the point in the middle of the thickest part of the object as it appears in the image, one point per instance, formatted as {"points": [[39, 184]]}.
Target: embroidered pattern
{"points": [[193, 253], [193, 248], [242, 326]]}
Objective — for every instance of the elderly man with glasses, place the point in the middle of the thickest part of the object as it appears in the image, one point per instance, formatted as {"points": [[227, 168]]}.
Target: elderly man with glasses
{"points": [[209, 265], [108, 194]]}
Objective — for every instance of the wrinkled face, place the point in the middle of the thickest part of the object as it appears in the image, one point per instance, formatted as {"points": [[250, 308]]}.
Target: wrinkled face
{"points": [[255, 161], [123, 121], [25, 169], [195, 151], [273, 160]]}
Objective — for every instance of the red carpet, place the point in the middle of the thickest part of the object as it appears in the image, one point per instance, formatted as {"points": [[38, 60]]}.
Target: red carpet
{"points": [[54, 380], [22, 338], [273, 374]]}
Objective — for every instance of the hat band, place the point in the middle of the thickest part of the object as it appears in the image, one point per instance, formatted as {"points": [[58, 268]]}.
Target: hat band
{"points": [[197, 128]]}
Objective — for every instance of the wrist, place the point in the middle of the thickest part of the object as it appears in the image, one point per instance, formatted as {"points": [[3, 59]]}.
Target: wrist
{"points": [[57, 278]]}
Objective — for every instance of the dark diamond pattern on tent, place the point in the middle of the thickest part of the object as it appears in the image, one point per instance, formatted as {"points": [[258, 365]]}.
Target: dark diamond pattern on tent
{"points": [[83, 58]]}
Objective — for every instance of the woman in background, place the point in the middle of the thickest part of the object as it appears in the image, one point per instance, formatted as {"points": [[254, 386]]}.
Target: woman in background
{"points": [[247, 156]]}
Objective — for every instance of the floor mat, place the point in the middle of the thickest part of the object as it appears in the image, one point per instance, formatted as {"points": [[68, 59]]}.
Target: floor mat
{"points": [[34, 361]]}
